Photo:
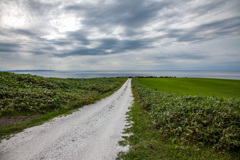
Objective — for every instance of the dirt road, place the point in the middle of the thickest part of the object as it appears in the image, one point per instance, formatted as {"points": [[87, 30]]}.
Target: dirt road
{"points": [[91, 133]]}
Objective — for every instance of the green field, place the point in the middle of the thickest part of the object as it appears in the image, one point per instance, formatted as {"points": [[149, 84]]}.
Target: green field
{"points": [[28, 100], [22, 94], [175, 126], [195, 86]]}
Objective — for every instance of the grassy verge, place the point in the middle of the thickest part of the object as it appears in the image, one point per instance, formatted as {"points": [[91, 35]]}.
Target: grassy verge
{"points": [[27, 95], [168, 126], [147, 144], [195, 86]]}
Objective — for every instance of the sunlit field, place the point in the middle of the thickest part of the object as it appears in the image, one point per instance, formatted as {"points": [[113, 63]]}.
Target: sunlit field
{"points": [[195, 86]]}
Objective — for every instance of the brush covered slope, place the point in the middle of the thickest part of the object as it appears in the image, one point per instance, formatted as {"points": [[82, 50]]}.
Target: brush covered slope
{"points": [[204, 121], [24, 94]]}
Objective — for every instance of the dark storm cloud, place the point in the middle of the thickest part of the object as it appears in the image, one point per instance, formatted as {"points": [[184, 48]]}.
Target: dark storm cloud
{"points": [[37, 8], [3, 31], [131, 32], [206, 31], [61, 42], [229, 25], [133, 16], [123, 45], [73, 28], [81, 51], [38, 52], [109, 46], [109, 43], [10, 32], [126, 13], [210, 7], [180, 55], [9, 47], [37, 45], [78, 36], [25, 32], [126, 45]]}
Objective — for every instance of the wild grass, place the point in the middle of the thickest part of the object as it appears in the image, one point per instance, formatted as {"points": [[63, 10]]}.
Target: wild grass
{"points": [[146, 143], [170, 126], [24, 94], [195, 86]]}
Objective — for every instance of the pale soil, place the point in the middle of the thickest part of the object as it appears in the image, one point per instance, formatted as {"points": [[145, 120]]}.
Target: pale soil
{"points": [[90, 133], [10, 120]]}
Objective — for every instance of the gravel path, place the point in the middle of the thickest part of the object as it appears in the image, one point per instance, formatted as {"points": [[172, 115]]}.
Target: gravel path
{"points": [[91, 133]]}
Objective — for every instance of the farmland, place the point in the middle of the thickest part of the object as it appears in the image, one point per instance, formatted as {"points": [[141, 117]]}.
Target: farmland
{"points": [[195, 86], [182, 126], [29, 95]]}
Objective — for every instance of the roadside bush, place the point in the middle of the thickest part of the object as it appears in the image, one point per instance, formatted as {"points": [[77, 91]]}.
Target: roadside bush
{"points": [[203, 120], [22, 94]]}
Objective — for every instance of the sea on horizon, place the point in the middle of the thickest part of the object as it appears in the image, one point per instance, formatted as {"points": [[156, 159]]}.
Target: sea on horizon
{"points": [[220, 74]]}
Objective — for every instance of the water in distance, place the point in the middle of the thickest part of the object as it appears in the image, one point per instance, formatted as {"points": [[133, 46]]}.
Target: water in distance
{"points": [[131, 73]]}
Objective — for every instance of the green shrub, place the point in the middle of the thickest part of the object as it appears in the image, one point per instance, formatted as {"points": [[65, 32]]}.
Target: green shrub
{"points": [[23, 94], [204, 120]]}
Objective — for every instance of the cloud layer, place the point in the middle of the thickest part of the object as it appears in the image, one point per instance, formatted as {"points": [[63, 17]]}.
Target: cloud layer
{"points": [[119, 34]]}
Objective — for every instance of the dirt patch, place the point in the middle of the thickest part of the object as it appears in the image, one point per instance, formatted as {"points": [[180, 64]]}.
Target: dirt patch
{"points": [[10, 120]]}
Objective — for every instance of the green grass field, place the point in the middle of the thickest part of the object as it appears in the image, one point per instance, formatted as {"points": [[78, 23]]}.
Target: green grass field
{"points": [[195, 86], [172, 126]]}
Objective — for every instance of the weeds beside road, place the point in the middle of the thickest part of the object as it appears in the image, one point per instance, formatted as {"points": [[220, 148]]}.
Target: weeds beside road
{"points": [[170, 126], [24, 95]]}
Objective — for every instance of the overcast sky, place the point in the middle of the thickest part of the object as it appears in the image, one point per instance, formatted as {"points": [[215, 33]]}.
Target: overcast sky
{"points": [[120, 34]]}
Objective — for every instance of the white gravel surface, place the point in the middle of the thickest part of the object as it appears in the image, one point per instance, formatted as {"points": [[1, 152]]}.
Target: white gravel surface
{"points": [[91, 133]]}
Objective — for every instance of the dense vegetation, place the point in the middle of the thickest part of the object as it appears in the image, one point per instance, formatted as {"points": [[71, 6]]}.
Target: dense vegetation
{"points": [[195, 86], [27, 100], [147, 144], [22, 94], [210, 122]]}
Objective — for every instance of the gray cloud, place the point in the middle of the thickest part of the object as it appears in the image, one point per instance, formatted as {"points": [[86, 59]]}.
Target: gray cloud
{"points": [[230, 25], [109, 46], [25, 33], [208, 31], [185, 56], [78, 36], [117, 27], [125, 13], [39, 8], [9, 47], [60, 42], [209, 7]]}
